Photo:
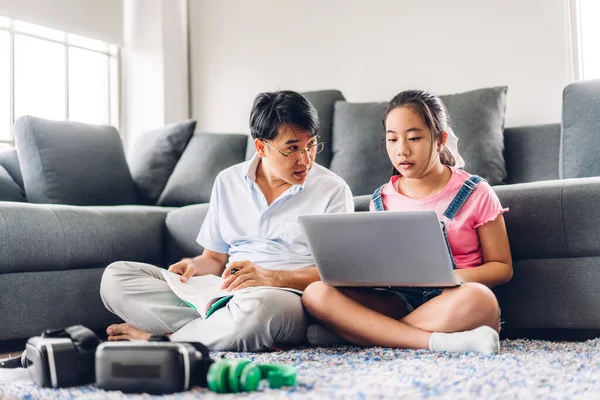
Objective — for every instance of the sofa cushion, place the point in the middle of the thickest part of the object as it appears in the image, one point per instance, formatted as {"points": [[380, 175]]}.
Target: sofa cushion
{"points": [[204, 157], [477, 118], [581, 126], [9, 190], [359, 154], [10, 161], [72, 163], [323, 101], [154, 155]]}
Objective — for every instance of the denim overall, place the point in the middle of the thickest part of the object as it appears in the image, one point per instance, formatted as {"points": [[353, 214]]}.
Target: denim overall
{"points": [[415, 297]]}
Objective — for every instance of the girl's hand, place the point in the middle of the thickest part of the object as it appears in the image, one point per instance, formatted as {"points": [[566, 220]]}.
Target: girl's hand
{"points": [[243, 274], [459, 276], [185, 268]]}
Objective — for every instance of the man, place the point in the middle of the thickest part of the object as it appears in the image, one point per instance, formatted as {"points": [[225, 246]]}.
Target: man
{"points": [[250, 237]]}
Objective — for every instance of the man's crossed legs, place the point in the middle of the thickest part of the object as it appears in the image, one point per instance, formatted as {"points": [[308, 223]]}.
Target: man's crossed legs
{"points": [[139, 294]]}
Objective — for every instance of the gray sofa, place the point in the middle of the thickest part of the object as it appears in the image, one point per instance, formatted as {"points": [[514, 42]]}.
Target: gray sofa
{"points": [[52, 255]]}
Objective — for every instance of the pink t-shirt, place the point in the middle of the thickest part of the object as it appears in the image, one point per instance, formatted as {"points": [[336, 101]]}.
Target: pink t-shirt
{"points": [[482, 206]]}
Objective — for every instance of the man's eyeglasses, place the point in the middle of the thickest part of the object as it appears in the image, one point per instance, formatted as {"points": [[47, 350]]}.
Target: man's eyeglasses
{"points": [[312, 150]]}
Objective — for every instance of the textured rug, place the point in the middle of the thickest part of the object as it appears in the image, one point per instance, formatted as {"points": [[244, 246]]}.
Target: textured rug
{"points": [[524, 369]]}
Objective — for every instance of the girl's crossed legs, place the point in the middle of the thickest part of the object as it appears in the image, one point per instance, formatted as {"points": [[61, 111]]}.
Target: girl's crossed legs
{"points": [[464, 318]]}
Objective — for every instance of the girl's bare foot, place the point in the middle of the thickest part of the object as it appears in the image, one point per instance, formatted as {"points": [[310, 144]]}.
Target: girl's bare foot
{"points": [[125, 332]]}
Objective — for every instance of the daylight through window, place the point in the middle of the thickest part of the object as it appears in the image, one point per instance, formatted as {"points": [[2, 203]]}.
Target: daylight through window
{"points": [[53, 74]]}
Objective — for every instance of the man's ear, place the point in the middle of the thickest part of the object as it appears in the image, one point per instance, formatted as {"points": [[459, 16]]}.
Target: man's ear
{"points": [[259, 145], [443, 140]]}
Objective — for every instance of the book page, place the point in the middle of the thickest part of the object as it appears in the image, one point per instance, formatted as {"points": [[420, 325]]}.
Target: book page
{"points": [[201, 292]]}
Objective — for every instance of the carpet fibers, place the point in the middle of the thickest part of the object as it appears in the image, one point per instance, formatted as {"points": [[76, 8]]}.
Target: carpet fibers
{"points": [[524, 369]]}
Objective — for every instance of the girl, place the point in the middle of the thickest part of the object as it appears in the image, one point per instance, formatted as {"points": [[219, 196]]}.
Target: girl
{"points": [[422, 149]]}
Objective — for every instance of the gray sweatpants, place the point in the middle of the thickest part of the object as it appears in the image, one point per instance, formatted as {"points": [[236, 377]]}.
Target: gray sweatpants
{"points": [[139, 294]]}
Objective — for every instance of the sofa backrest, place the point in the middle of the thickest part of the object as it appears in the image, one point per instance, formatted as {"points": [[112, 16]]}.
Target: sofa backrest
{"points": [[531, 153], [581, 130]]}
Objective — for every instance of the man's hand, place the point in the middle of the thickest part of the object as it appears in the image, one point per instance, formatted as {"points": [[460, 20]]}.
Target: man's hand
{"points": [[243, 274], [185, 268]]}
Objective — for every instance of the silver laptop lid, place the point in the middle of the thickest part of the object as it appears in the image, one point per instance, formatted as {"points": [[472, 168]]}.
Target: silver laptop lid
{"points": [[391, 248]]}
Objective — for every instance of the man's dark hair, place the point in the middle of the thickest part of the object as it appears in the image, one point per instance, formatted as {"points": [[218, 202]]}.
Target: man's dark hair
{"points": [[273, 109]]}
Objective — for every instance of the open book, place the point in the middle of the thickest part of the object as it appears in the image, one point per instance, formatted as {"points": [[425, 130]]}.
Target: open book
{"points": [[204, 293]]}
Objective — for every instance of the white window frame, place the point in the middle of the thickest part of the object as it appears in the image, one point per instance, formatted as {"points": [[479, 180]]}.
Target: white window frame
{"points": [[574, 31], [576, 41], [113, 53]]}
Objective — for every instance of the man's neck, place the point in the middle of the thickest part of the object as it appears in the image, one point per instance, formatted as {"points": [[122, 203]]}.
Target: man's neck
{"points": [[271, 186]]}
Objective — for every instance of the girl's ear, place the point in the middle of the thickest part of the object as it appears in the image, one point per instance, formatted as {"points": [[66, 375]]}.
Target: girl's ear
{"points": [[259, 145], [443, 140]]}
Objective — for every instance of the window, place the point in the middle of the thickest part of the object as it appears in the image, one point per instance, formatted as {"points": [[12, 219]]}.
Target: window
{"points": [[589, 13], [5, 113], [57, 75]]}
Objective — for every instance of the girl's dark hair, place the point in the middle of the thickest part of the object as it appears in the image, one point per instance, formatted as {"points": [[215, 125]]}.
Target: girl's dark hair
{"points": [[272, 109], [433, 112]]}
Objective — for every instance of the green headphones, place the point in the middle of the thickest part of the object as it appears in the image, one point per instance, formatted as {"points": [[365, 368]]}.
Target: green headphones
{"points": [[233, 376]]}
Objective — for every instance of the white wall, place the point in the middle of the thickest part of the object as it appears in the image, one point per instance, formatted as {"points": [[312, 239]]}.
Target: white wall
{"points": [[176, 60], [100, 19], [142, 69], [370, 50], [154, 66]]}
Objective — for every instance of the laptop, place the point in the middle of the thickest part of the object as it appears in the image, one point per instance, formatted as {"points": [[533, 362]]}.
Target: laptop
{"points": [[390, 248]]}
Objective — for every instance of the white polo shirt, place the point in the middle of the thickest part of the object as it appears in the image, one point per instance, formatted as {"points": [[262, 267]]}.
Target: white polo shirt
{"points": [[240, 223]]}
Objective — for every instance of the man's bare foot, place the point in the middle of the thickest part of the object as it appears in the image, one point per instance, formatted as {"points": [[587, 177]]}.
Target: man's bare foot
{"points": [[125, 332]]}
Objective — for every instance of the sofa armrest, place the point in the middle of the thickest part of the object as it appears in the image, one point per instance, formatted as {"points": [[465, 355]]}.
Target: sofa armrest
{"points": [[183, 225]]}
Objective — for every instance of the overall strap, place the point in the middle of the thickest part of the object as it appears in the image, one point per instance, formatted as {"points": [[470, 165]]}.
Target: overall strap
{"points": [[463, 194], [376, 198]]}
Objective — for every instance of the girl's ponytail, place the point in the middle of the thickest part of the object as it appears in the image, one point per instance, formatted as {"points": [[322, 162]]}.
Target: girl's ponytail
{"points": [[447, 158]]}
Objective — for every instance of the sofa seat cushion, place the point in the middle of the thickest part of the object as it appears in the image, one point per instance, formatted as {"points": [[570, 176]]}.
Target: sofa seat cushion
{"points": [[360, 157], [154, 155], [51, 237], [552, 219], [67, 162]]}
